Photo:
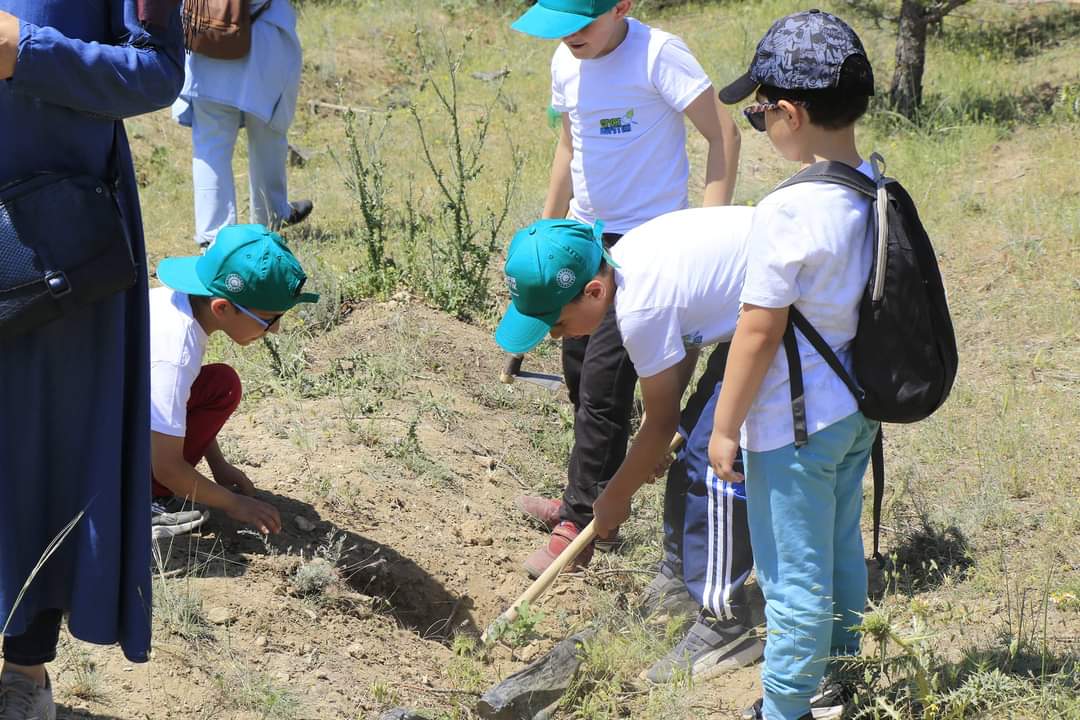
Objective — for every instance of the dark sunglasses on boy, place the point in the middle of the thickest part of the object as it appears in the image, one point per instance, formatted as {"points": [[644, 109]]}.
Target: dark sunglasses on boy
{"points": [[755, 114], [266, 323]]}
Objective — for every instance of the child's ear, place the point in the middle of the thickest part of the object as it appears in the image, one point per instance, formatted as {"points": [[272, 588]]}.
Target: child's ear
{"points": [[622, 8], [794, 115], [218, 306]]}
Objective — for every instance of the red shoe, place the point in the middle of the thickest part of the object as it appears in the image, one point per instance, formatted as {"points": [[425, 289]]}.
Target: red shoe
{"points": [[544, 510], [561, 537]]}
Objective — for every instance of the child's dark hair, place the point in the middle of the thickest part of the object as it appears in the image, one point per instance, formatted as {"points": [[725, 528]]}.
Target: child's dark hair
{"points": [[832, 108]]}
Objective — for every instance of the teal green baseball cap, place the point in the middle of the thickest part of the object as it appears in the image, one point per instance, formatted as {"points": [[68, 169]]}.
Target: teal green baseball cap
{"points": [[248, 265], [553, 19], [547, 266]]}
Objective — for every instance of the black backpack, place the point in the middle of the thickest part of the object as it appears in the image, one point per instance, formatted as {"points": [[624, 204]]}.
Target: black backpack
{"points": [[904, 351]]}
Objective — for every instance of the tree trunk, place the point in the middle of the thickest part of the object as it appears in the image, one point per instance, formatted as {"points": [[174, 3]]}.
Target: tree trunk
{"points": [[905, 95]]}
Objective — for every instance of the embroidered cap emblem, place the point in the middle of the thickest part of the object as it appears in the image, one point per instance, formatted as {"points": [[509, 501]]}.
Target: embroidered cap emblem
{"points": [[565, 278], [234, 283]]}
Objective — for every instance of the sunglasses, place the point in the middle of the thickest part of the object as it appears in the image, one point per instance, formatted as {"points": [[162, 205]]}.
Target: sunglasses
{"points": [[755, 114], [266, 324]]}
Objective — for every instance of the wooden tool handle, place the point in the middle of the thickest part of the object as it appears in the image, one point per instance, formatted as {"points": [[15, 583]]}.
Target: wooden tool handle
{"points": [[542, 583], [513, 367]]}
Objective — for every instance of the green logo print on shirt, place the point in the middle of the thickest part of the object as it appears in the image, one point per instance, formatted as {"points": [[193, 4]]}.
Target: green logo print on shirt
{"points": [[618, 125]]}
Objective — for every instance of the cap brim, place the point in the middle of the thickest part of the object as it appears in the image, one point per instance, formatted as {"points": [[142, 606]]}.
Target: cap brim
{"points": [[179, 274], [738, 90], [307, 298], [519, 333], [541, 22]]}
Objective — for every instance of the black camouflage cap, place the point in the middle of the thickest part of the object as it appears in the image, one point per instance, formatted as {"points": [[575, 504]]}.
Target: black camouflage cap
{"points": [[804, 51]]}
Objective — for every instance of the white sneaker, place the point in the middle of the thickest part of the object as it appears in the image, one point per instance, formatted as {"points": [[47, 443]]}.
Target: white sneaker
{"points": [[22, 699], [169, 518]]}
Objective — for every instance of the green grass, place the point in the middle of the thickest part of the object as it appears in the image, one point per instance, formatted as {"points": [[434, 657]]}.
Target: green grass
{"points": [[982, 514]]}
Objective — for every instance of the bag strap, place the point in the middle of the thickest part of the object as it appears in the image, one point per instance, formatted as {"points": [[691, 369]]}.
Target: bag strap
{"points": [[797, 319], [834, 172], [795, 381], [877, 460]]}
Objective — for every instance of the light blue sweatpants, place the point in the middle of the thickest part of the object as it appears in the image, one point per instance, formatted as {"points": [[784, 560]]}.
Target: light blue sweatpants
{"points": [[214, 129], [804, 506]]}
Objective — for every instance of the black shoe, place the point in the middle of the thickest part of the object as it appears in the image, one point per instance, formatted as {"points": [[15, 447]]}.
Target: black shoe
{"points": [[754, 712], [832, 698], [300, 210]]}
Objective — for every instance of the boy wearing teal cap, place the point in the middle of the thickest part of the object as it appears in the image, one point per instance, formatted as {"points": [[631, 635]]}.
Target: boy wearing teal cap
{"points": [[623, 89], [672, 287], [242, 286]]}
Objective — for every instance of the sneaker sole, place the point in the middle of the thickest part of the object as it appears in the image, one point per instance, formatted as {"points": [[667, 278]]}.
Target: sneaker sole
{"points": [[749, 652], [831, 713]]}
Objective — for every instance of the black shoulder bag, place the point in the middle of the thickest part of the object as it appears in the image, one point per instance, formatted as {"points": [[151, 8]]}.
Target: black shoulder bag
{"points": [[63, 244]]}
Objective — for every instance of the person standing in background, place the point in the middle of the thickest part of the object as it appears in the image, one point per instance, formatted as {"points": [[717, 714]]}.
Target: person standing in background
{"points": [[257, 92], [625, 90], [74, 393]]}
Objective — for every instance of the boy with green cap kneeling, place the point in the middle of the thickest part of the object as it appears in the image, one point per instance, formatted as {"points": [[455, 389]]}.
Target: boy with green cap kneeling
{"points": [[247, 280]]}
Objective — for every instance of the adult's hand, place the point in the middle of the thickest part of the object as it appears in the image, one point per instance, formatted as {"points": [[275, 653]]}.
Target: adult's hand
{"points": [[9, 44]]}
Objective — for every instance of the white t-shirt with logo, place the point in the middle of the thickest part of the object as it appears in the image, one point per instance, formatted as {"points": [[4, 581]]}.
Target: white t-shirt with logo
{"points": [[626, 125], [811, 247], [177, 346], [678, 283]]}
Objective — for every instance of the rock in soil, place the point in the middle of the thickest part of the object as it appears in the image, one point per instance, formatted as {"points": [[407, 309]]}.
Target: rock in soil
{"points": [[531, 693], [402, 714]]}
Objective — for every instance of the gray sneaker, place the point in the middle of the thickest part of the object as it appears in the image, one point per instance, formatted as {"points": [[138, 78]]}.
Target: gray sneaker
{"points": [[667, 595], [22, 699], [710, 647], [168, 518]]}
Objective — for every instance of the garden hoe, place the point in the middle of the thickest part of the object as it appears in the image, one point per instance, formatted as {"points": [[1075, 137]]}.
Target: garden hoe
{"points": [[513, 372], [534, 692]]}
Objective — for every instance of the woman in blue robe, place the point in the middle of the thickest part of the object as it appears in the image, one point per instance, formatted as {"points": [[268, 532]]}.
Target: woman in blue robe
{"points": [[74, 394]]}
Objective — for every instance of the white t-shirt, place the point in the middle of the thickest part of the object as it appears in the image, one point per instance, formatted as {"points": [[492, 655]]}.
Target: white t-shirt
{"points": [[177, 346], [626, 125], [678, 283], [811, 246]]}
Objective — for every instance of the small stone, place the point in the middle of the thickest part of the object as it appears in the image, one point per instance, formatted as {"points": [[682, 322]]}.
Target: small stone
{"points": [[261, 641], [529, 652], [221, 616], [303, 524], [356, 650]]}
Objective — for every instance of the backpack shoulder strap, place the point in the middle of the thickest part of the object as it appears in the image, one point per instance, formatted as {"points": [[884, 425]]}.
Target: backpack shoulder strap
{"points": [[834, 172], [798, 320]]}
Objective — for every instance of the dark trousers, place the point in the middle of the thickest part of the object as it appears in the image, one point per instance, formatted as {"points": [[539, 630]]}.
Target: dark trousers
{"points": [[37, 645], [600, 379], [678, 481], [215, 395], [706, 534]]}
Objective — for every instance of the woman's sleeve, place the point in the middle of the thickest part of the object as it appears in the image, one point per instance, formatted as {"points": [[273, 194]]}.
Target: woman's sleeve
{"points": [[143, 71]]}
